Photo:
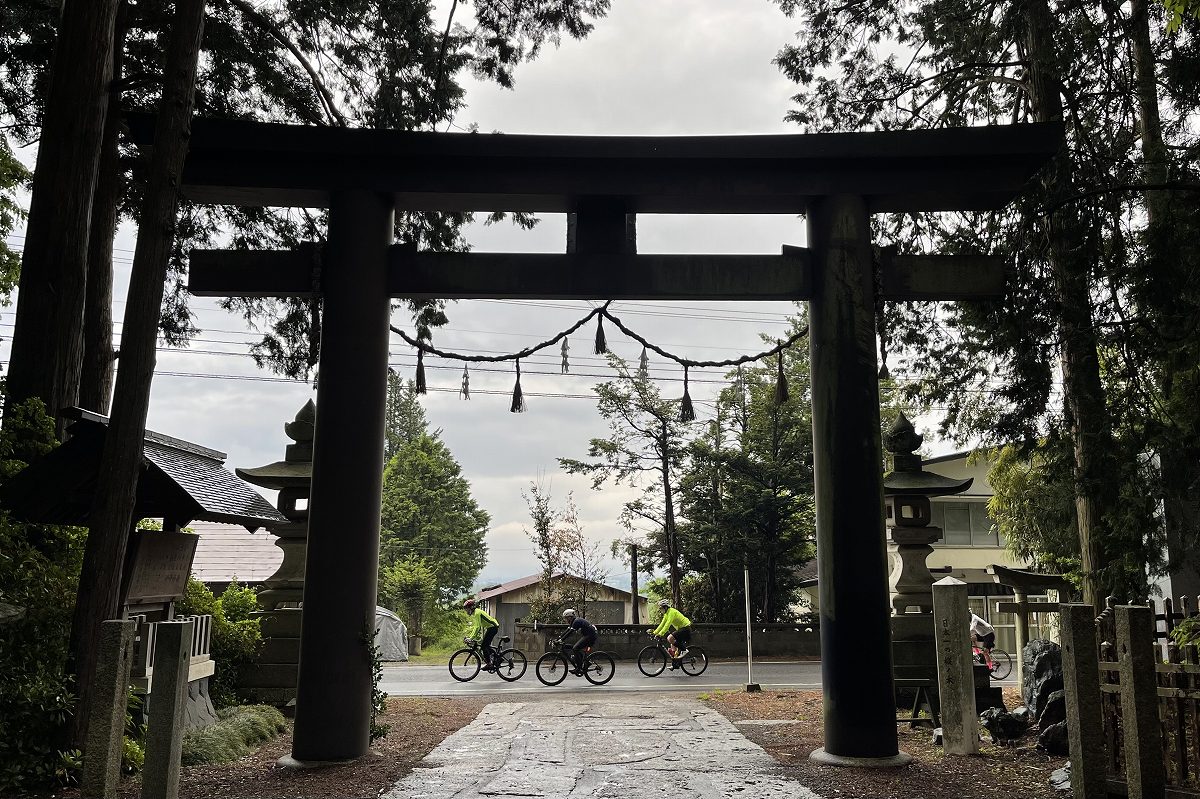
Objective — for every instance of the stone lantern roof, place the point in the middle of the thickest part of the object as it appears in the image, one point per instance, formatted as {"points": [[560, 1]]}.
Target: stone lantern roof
{"points": [[295, 470], [907, 476]]}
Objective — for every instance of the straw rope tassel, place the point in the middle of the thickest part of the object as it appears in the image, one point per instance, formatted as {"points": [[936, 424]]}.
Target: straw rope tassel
{"points": [[420, 371], [518, 399], [686, 413], [781, 386], [566, 367], [644, 364], [465, 391], [601, 343]]}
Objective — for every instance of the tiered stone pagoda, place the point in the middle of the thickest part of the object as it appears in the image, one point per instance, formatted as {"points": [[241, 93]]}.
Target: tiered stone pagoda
{"points": [[275, 678]]}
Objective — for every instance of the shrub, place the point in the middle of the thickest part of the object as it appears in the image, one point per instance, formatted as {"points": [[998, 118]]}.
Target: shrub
{"points": [[236, 636], [238, 732], [1187, 632]]}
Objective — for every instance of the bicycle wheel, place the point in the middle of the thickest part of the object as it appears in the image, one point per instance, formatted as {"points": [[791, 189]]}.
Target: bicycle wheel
{"points": [[599, 668], [1001, 664], [464, 665], [551, 668], [652, 661], [694, 662], [512, 665]]}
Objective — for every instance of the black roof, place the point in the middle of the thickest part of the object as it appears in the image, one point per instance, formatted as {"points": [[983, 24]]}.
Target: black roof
{"points": [[239, 162], [180, 481]]}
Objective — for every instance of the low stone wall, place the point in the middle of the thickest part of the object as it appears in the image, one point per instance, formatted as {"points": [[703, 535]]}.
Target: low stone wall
{"points": [[718, 640]]}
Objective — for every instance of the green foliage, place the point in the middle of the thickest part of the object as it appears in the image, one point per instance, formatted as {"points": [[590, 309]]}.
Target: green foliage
{"points": [[236, 637], [747, 495], [13, 176], [572, 565], [1187, 632], [39, 572], [378, 696], [429, 514], [405, 420], [408, 587], [1033, 505], [1179, 10], [238, 732]]}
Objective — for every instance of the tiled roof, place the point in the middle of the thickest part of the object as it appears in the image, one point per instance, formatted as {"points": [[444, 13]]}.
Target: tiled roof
{"points": [[182, 481], [532, 579], [226, 551]]}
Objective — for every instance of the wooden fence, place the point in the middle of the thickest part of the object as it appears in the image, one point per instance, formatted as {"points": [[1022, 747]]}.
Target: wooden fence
{"points": [[1133, 703]]}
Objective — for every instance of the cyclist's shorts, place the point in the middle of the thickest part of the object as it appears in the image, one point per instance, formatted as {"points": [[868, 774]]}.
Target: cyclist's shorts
{"points": [[989, 641], [682, 637], [584, 642]]}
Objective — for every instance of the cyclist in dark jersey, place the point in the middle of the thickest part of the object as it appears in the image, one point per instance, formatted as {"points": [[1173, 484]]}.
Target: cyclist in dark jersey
{"points": [[587, 633]]}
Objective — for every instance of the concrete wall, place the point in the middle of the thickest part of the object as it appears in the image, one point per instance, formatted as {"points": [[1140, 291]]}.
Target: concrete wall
{"points": [[717, 640], [612, 606]]}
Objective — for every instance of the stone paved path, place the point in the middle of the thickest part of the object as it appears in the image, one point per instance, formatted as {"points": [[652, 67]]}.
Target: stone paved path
{"points": [[615, 749]]}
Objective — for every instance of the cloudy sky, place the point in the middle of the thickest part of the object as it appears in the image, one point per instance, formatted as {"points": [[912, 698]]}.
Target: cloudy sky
{"points": [[669, 67]]}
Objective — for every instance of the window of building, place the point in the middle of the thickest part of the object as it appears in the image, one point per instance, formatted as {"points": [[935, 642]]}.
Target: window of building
{"points": [[965, 524]]}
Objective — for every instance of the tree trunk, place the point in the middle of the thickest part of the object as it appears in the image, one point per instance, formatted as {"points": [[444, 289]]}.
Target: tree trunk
{"points": [[47, 345], [96, 373], [111, 517], [1175, 319], [633, 581], [1070, 267]]}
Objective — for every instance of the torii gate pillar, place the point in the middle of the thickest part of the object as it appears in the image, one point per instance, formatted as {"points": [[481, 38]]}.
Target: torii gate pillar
{"points": [[859, 710], [333, 701]]}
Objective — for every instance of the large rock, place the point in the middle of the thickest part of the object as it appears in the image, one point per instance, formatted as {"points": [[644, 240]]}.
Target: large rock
{"points": [[1054, 739], [1042, 661], [1060, 780], [1003, 727], [1054, 711]]}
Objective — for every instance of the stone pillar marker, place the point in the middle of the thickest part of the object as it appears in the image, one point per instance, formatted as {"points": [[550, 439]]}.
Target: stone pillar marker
{"points": [[1081, 679], [1145, 774], [956, 681], [110, 698], [168, 701]]}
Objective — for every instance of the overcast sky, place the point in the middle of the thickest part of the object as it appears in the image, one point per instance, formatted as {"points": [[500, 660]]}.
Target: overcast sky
{"points": [[668, 67]]}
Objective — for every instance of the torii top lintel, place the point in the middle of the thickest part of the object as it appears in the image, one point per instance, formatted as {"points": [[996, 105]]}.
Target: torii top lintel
{"points": [[261, 164]]}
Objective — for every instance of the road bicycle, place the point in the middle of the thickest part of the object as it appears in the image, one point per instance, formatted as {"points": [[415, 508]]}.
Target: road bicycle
{"points": [[553, 667], [510, 664], [653, 659], [998, 661]]}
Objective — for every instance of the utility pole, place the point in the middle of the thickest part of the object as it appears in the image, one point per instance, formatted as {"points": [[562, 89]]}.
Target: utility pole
{"points": [[633, 581]]}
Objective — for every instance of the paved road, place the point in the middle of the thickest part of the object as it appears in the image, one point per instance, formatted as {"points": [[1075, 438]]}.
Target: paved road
{"points": [[618, 747], [405, 680]]}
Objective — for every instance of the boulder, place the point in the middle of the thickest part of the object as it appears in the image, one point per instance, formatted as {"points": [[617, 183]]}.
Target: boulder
{"points": [[1054, 711], [1042, 662], [1022, 714], [1003, 727], [1054, 739], [1060, 779]]}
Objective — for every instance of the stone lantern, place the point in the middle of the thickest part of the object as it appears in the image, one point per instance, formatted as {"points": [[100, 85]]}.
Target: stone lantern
{"points": [[906, 492], [275, 677]]}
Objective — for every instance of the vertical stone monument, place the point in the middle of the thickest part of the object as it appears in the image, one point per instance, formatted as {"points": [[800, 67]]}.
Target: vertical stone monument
{"points": [[274, 678], [906, 492]]}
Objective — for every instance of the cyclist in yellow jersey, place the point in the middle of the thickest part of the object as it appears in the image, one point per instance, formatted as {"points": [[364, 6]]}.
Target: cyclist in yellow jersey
{"points": [[485, 625], [672, 619]]}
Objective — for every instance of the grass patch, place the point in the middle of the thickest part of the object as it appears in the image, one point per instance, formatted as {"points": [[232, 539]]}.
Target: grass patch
{"points": [[239, 732], [434, 655]]}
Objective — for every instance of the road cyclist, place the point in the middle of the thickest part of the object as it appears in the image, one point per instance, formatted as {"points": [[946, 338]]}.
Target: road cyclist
{"points": [[480, 655], [580, 658], [678, 630], [983, 644]]}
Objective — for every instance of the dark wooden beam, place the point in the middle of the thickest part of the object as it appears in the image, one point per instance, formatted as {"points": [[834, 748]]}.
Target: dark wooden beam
{"points": [[466, 276], [224, 273], [942, 277]]}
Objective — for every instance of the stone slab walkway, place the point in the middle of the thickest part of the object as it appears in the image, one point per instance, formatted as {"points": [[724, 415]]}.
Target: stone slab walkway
{"points": [[621, 748]]}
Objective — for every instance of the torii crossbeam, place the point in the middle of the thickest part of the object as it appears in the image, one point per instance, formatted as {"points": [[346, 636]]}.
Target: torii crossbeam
{"points": [[835, 180]]}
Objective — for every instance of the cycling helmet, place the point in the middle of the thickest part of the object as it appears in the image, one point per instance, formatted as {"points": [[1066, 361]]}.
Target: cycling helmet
{"points": [[468, 604], [569, 613], [664, 603]]}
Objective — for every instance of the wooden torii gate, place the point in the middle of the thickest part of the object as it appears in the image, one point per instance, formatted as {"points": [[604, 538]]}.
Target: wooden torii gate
{"points": [[835, 180]]}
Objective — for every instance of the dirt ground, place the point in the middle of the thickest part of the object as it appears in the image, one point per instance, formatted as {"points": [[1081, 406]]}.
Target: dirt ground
{"points": [[1020, 771], [420, 724]]}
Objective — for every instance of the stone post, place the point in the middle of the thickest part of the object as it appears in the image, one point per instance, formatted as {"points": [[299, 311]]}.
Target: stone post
{"points": [[1081, 679], [110, 698], [1021, 599], [956, 674], [1145, 773], [168, 701]]}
